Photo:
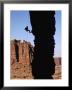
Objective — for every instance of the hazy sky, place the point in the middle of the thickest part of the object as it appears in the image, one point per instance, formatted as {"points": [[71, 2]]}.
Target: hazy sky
{"points": [[21, 19]]}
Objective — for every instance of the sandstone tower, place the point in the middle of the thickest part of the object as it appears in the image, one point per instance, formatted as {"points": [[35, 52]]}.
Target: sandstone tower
{"points": [[20, 52], [43, 28]]}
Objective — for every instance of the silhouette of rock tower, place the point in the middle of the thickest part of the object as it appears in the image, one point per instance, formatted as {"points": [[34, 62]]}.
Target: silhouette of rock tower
{"points": [[43, 28]]}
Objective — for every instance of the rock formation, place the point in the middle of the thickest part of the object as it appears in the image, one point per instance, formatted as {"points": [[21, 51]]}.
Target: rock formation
{"points": [[57, 61], [21, 59], [43, 28], [20, 52]]}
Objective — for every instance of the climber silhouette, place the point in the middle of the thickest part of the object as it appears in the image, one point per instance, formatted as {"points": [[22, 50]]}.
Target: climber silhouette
{"points": [[27, 30]]}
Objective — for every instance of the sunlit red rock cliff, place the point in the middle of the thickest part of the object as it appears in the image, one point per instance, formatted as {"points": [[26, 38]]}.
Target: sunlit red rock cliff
{"points": [[21, 59]]}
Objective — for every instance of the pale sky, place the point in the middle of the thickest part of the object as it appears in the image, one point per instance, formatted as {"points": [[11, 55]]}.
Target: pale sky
{"points": [[20, 19]]}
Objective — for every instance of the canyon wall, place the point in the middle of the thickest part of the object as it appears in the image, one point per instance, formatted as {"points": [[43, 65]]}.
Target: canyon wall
{"points": [[21, 59], [21, 51], [24, 53]]}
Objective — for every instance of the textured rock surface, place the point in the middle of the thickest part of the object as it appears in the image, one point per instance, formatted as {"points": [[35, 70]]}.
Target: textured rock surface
{"points": [[21, 59], [57, 61], [57, 74], [20, 52], [21, 69]]}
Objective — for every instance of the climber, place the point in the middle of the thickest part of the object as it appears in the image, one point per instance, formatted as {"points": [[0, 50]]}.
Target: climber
{"points": [[26, 29]]}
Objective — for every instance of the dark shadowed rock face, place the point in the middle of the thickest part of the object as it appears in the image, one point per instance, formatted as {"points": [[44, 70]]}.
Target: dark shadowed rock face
{"points": [[21, 52], [43, 28]]}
